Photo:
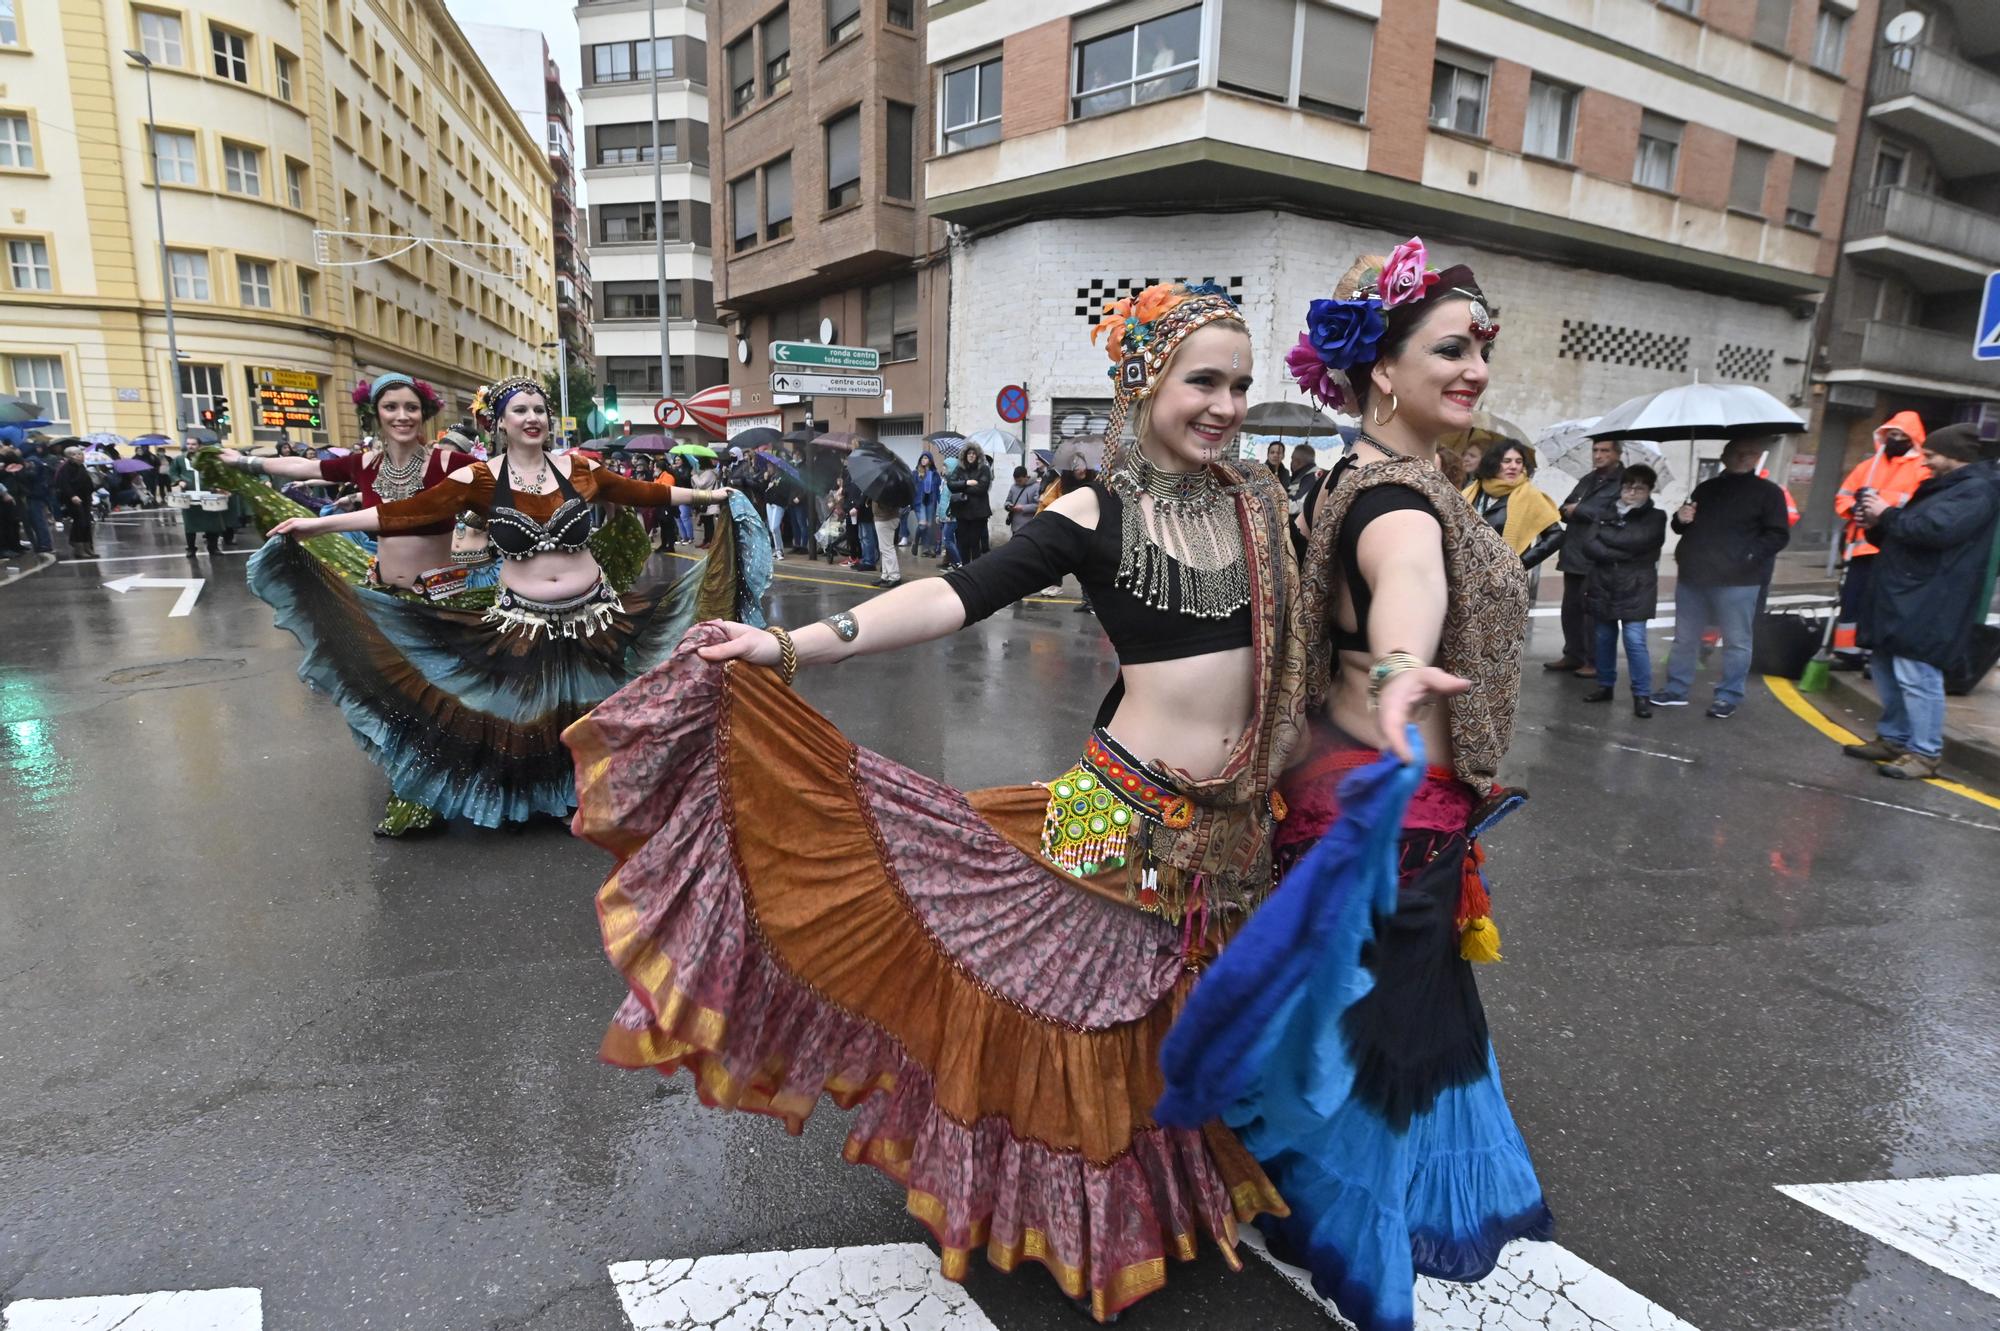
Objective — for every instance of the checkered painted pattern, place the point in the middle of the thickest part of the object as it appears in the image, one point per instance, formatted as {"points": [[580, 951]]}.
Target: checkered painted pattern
{"points": [[1744, 364], [1613, 344], [1091, 300]]}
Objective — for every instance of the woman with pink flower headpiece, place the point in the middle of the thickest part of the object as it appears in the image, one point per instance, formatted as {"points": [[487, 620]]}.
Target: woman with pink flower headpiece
{"points": [[1341, 1034]]}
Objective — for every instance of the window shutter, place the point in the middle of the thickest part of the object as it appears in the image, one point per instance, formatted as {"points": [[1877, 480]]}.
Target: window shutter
{"points": [[778, 191], [1746, 180], [1338, 46], [1257, 46], [1807, 183], [843, 150]]}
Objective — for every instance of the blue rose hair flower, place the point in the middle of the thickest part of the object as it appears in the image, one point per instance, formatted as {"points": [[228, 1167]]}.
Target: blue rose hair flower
{"points": [[1345, 332]]}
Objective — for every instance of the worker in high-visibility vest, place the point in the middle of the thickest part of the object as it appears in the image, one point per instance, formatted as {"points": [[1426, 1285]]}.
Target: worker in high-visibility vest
{"points": [[1894, 470]]}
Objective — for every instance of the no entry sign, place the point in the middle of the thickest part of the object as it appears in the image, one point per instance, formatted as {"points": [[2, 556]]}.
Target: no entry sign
{"points": [[1012, 404], [669, 412]]}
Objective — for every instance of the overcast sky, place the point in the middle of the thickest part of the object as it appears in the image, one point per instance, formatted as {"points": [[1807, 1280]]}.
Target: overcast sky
{"points": [[556, 21]]}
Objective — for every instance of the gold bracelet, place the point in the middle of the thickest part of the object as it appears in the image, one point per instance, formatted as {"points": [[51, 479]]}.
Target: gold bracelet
{"points": [[1386, 668], [788, 655]]}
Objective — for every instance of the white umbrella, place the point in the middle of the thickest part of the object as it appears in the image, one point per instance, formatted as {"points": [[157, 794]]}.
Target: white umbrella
{"points": [[1699, 411], [993, 442], [1566, 447]]}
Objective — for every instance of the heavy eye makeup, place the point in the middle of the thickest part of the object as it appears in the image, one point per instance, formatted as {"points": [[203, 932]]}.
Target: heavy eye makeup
{"points": [[1210, 378]]}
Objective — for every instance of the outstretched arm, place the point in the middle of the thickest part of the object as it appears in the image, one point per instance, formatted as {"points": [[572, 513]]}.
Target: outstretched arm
{"points": [[616, 489], [1401, 557], [289, 469]]}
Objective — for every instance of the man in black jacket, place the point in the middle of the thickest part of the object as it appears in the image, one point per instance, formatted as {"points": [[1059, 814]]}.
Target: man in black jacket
{"points": [[1606, 476], [1924, 597], [1731, 529]]}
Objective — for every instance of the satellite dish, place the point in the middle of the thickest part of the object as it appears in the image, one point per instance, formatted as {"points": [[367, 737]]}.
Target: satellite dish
{"points": [[1905, 28]]}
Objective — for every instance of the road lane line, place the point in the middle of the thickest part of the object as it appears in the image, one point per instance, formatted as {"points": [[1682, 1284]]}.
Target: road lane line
{"points": [[161, 1310], [1788, 693], [1952, 1224], [895, 1286], [1891, 804], [1670, 757]]}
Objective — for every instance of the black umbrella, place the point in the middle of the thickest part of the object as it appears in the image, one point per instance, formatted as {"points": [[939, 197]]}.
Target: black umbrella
{"points": [[885, 478], [761, 436], [802, 436], [20, 411]]}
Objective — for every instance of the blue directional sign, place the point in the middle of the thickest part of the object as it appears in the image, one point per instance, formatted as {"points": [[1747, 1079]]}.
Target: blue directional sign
{"points": [[1986, 342]]}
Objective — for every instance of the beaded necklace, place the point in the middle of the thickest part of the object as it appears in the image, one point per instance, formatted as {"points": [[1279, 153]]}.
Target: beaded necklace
{"points": [[1183, 551], [396, 481]]}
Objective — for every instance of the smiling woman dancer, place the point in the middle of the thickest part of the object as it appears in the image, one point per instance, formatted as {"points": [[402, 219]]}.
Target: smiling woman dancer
{"points": [[464, 710], [989, 975], [1378, 1110]]}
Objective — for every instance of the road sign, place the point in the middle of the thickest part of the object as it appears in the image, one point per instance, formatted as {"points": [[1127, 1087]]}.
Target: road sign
{"points": [[1012, 404], [285, 408], [669, 412], [569, 425], [827, 385], [833, 358], [1986, 342], [269, 378]]}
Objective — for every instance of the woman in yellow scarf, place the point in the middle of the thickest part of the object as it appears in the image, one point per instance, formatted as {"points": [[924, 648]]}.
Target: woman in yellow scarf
{"points": [[1502, 493]]}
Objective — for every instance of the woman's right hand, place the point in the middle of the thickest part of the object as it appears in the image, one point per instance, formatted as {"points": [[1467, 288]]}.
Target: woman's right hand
{"points": [[1404, 695], [299, 528], [232, 457], [743, 643]]}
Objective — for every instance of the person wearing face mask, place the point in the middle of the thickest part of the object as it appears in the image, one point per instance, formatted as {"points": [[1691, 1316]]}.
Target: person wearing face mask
{"points": [[464, 709], [1002, 965], [1377, 1110], [1893, 470]]}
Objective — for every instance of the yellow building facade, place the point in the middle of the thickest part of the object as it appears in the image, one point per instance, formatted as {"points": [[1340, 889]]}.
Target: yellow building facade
{"points": [[295, 142]]}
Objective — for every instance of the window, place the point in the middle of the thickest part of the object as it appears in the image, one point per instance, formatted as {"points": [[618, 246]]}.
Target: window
{"points": [[1551, 127], [40, 380], [1891, 163], [778, 199], [1153, 59], [341, 116], [1830, 40], [307, 283], [173, 158], [1684, 6], [743, 210], [843, 159], [843, 20], [777, 39], [1774, 23], [900, 14], [28, 266], [232, 54], [17, 143], [621, 145], [622, 62], [629, 223], [201, 390], [253, 283], [972, 106], [631, 300], [295, 185], [10, 30], [891, 317], [242, 169], [637, 375], [1458, 92], [284, 66], [1334, 80], [902, 172], [1802, 209], [188, 270], [160, 38], [740, 63], [1746, 178], [1657, 165]]}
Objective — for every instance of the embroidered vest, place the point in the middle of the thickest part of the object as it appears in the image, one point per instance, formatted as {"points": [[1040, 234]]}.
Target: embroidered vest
{"points": [[1485, 622]]}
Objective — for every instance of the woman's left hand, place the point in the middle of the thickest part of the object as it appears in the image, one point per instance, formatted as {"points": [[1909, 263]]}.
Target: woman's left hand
{"points": [[1404, 695]]}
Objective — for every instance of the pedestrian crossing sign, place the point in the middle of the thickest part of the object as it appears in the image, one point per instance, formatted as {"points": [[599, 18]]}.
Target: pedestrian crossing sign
{"points": [[1986, 342]]}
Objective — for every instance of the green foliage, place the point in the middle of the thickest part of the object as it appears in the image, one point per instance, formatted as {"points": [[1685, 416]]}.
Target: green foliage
{"points": [[622, 548]]}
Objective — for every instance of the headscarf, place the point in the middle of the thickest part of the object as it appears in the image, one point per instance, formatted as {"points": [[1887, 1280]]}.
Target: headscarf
{"points": [[1144, 333]]}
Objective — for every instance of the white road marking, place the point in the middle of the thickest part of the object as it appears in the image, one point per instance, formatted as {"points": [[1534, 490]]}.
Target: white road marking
{"points": [[894, 1286], [16, 572], [1667, 621], [1900, 808], [1536, 1287], [183, 604], [162, 1310], [126, 559], [1670, 757], [1950, 1223]]}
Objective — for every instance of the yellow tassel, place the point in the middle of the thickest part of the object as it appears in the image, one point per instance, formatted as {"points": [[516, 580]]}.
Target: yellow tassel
{"points": [[1479, 940]]}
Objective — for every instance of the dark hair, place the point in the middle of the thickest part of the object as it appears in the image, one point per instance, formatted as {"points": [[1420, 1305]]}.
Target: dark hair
{"points": [[1401, 324], [1639, 471], [1960, 443], [1020, 473], [924, 460], [1489, 461]]}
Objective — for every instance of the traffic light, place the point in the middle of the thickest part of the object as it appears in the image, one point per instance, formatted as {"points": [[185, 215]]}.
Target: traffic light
{"points": [[610, 402], [208, 417], [222, 416]]}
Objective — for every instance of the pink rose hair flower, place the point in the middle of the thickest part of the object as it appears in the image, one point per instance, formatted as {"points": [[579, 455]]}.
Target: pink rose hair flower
{"points": [[1311, 374], [1405, 277]]}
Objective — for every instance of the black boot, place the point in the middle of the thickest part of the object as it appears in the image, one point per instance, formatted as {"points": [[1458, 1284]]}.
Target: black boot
{"points": [[1598, 694], [1642, 706]]}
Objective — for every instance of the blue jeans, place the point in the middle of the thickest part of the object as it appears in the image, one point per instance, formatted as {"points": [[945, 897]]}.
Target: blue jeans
{"points": [[870, 554], [1636, 656], [1733, 610], [38, 526], [684, 519], [948, 538], [1912, 703]]}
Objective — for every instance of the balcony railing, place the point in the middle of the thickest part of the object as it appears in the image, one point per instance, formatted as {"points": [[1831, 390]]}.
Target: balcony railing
{"points": [[1917, 353], [1919, 71], [1906, 214]]}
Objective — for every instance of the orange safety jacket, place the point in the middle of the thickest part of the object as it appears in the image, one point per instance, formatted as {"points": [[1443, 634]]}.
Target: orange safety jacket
{"points": [[1895, 479]]}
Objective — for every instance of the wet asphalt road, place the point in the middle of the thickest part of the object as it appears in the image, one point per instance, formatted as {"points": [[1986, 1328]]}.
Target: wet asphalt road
{"points": [[244, 1043]]}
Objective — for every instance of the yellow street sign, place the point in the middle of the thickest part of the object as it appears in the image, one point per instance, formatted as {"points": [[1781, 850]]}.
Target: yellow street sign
{"points": [[569, 425], [287, 379]]}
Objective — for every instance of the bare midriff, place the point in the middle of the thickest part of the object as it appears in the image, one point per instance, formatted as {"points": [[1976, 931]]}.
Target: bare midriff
{"points": [[1187, 714], [556, 575], [400, 559]]}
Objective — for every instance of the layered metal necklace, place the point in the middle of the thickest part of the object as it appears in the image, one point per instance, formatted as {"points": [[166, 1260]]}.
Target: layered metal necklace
{"points": [[1180, 544], [396, 481]]}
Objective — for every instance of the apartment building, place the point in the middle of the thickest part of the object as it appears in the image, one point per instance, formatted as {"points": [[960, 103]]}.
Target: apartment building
{"points": [[625, 44], [277, 121], [1923, 231], [822, 223], [519, 60], [1648, 191]]}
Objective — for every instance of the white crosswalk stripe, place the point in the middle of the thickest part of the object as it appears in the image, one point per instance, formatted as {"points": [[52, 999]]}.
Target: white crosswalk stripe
{"points": [[160, 1310], [1951, 1223], [892, 1286]]}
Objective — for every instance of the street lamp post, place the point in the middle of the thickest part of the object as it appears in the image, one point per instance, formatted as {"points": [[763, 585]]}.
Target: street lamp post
{"points": [[562, 372], [659, 193], [145, 64]]}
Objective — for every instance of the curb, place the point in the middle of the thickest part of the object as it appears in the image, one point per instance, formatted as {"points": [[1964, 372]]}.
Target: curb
{"points": [[1970, 756]]}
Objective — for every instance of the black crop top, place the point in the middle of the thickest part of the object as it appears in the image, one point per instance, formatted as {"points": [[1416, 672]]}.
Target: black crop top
{"points": [[519, 536], [1051, 545], [1369, 505]]}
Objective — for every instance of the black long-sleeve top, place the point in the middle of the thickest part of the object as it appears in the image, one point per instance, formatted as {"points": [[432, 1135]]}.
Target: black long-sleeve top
{"points": [[1739, 526]]}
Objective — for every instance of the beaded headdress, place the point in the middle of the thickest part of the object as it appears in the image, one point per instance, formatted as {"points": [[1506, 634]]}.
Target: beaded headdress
{"points": [[1144, 331], [498, 394], [1344, 334], [368, 392]]}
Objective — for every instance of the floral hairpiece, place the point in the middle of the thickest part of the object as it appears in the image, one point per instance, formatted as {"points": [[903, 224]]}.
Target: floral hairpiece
{"points": [[367, 391], [1132, 323], [1347, 331]]}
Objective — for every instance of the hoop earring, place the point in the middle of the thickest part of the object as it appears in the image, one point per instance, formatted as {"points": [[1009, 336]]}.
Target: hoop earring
{"points": [[1376, 414]]}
